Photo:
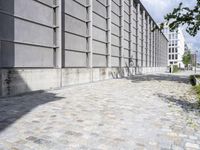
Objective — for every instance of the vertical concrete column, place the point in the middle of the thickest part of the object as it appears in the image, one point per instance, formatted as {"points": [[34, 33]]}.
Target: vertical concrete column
{"points": [[131, 32], [158, 56], [0, 72], [154, 47], [122, 34], [137, 33], [90, 22], [109, 9], [143, 39], [148, 42], [58, 34], [0, 55]]}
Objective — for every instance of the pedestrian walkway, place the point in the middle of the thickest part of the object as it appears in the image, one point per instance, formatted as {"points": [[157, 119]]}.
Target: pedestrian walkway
{"points": [[141, 112]]}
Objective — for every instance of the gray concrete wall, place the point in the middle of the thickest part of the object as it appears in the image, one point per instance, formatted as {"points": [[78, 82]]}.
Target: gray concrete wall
{"points": [[76, 35], [84, 38], [17, 81]]}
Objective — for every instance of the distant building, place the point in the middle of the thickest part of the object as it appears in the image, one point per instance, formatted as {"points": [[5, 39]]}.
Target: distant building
{"points": [[187, 48], [176, 46]]}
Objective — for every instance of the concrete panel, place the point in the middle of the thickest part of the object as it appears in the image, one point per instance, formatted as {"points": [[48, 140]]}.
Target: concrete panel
{"points": [[126, 26], [115, 61], [19, 81], [99, 74], [126, 44], [115, 29], [126, 35], [72, 40], [99, 34], [83, 2], [17, 55], [115, 51], [99, 21], [115, 19], [115, 40], [75, 26], [7, 6], [75, 59], [73, 76], [118, 2], [47, 2], [100, 48], [99, 61], [98, 8], [33, 33], [0, 82], [115, 8], [27, 9], [6, 27], [126, 53], [71, 8]]}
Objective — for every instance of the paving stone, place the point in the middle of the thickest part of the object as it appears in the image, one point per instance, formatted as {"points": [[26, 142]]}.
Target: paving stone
{"points": [[145, 112], [192, 145]]}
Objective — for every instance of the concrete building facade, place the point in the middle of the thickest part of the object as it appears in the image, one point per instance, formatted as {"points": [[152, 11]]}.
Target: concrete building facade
{"points": [[48, 44], [176, 46]]}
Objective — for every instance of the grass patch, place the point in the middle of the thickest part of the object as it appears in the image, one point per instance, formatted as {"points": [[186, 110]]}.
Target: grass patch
{"points": [[175, 69], [197, 90]]}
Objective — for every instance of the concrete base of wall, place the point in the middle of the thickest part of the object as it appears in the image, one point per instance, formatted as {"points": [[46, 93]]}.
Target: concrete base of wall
{"points": [[17, 81]]}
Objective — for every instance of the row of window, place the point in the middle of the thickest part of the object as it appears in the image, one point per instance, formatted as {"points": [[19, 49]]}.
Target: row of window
{"points": [[173, 56], [173, 43], [173, 50], [173, 36]]}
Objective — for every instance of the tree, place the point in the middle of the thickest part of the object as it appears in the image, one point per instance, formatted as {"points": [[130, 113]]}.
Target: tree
{"points": [[186, 59], [184, 16]]}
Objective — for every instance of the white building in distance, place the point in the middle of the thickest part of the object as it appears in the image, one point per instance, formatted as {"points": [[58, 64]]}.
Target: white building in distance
{"points": [[176, 46]]}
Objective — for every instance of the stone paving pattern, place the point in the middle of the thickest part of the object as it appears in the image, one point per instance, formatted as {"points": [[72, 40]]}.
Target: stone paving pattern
{"points": [[143, 112]]}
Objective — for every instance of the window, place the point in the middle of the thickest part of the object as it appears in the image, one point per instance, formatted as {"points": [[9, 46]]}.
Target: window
{"points": [[176, 56], [176, 43], [176, 50], [169, 56], [173, 56], [169, 50], [172, 50], [173, 43]]}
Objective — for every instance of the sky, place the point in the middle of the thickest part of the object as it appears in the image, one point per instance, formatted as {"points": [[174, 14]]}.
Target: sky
{"points": [[159, 8]]}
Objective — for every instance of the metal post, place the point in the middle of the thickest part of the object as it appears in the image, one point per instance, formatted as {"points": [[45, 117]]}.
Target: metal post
{"points": [[122, 34], [109, 32]]}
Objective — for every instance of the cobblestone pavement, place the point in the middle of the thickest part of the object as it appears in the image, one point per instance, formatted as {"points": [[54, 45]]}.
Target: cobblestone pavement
{"points": [[145, 112]]}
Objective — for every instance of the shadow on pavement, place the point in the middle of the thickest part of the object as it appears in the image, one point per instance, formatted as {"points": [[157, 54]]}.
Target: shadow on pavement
{"points": [[161, 77], [13, 108], [182, 102]]}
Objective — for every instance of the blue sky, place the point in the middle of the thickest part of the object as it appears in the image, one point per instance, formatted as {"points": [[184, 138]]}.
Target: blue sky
{"points": [[159, 8]]}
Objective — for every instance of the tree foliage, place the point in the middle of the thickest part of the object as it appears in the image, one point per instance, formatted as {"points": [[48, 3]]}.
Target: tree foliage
{"points": [[186, 58], [184, 16]]}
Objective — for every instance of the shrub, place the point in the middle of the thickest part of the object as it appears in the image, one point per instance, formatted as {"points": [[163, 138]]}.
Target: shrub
{"points": [[197, 89], [192, 80], [175, 68]]}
